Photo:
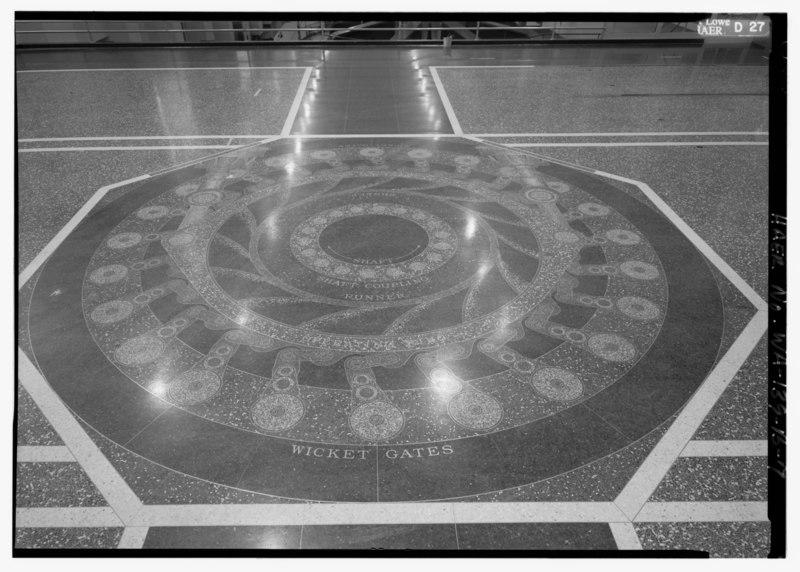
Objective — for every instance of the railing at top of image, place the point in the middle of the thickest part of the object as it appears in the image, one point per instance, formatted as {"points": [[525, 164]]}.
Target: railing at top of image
{"points": [[193, 32]]}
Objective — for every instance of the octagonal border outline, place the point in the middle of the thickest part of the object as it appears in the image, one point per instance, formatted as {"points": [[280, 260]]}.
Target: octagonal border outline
{"points": [[630, 506]]}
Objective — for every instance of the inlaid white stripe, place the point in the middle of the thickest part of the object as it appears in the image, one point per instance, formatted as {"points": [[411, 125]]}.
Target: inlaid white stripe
{"points": [[126, 148], [703, 512], [725, 449], [133, 537], [644, 144], [695, 238], [64, 232], [51, 454], [226, 137], [379, 513], [220, 515], [375, 513], [624, 134], [625, 535], [301, 90], [448, 108], [489, 143], [204, 158], [237, 68], [140, 138], [102, 473], [488, 66], [66, 517], [658, 462], [538, 512], [369, 135]]}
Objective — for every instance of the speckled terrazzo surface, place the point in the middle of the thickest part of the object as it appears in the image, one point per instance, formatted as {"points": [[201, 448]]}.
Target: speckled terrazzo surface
{"points": [[162, 102], [555, 99], [54, 186], [513, 299], [158, 485], [741, 412], [55, 484], [33, 429], [390, 91], [721, 192], [714, 479], [103, 538], [719, 539]]}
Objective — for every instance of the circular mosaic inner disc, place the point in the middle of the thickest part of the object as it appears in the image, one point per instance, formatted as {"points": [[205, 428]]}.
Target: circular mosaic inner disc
{"points": [[475, 410], [558, 384], [376, 421], [638, 308], [140, 351], [109, 274], [278, 412], [194, 386], [110, 312], [612, 347], [374, 239]]}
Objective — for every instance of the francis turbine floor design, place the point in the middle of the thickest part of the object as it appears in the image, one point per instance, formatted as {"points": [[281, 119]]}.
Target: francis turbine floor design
{"points": [[391, 321]]}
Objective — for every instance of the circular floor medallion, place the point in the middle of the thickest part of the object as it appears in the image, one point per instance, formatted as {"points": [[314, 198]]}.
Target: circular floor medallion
{"points": [[475, 410], [194, 386], [111, 312], [278, 412], [639, 270], [593, 209], [153, 212], [388, 325], [557, 384], [540, 195], [376, 421], [638, 308], [611, 347], [140, 351], [625, 237], [109, 274], [124, 240]]}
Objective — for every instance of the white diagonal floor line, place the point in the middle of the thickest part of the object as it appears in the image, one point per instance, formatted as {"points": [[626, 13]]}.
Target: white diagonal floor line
{"points": [[68, 228], [139, 517], [102, 473], [695, 238], [625, 535], [489, 143], [133, 537], [448, 107], [292, 115], [660, 204], [661, 458]]}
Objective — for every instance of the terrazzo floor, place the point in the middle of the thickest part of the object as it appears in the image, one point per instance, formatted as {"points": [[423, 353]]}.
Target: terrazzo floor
{"points": [[352, 307]]}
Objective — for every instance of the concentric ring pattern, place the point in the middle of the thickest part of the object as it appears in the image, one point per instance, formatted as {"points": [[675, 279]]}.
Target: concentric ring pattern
{"points": [[413, 306]]}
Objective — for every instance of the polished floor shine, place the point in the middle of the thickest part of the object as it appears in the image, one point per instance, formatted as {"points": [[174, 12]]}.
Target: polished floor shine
{"points": [[321, 285]]}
